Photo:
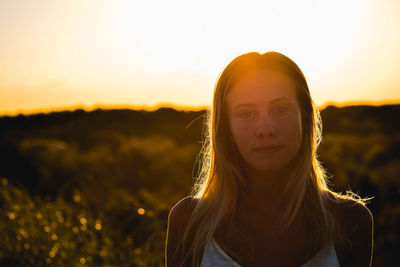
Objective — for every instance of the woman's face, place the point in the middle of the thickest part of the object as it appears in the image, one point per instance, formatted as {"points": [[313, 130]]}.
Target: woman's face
{"points": [[265, 119]]}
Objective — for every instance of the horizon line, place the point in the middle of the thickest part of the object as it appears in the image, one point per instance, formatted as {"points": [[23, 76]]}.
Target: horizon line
{"points": [[175, 106]]}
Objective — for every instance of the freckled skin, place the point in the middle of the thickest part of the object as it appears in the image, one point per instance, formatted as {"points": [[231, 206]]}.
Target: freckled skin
{"points": [[263, 111]]}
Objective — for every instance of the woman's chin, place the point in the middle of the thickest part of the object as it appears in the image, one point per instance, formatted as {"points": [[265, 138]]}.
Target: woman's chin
{"points": [[273, 168]]}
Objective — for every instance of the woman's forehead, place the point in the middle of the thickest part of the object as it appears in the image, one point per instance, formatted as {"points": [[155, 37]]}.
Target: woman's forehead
{"points": [[262, 86]]}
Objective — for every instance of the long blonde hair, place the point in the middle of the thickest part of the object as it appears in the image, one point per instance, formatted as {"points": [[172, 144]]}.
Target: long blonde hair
{"points": [[221, 179]]}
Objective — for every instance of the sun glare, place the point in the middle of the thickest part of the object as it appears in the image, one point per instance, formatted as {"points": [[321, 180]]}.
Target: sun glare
{"points": [[185, 45], [182, 36], [150, 52]]}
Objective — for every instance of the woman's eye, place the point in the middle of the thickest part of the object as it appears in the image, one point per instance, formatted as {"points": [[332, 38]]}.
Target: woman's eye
{"points": [[280, 110], [246, 114]]}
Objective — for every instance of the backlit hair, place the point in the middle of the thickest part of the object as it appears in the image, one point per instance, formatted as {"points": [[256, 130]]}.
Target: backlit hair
{"points": [[221, 181]]}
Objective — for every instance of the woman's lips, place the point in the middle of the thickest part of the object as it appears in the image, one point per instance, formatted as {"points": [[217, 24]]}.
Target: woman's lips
{"points": [[267, 148]]}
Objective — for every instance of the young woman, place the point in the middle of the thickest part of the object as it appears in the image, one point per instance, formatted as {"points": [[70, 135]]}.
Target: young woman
{"points": [[262, 197]]}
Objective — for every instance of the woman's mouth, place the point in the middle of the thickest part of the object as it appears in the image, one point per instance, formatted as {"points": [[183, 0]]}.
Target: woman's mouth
{"points": [[267, 148]]}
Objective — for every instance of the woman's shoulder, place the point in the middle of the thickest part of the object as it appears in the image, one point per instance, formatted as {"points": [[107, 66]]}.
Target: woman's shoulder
{"points": [[182, 210], [355, 209], [177, 220], [356, 221], [350, 208], [180, 213]]}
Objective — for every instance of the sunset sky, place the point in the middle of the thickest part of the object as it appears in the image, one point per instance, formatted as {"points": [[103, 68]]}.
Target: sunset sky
{"points": [[57, 54]]}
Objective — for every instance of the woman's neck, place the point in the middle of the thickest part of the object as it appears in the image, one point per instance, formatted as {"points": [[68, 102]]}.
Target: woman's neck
{"points": [[264, 191]]}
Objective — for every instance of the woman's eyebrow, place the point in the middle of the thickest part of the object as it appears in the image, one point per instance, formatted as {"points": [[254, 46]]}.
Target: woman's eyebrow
{"points": [[240, 105], [243, 105], [284, 98]]}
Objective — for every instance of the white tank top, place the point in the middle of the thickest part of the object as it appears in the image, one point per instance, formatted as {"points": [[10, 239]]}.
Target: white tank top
{"points": [[215, 256]]}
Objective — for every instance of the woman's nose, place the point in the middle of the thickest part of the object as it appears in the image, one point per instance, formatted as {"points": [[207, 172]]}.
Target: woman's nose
{"points": [[265, 128]]}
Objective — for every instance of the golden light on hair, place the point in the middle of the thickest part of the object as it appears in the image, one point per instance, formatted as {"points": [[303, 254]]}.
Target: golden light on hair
{"points": [[222, 183]]}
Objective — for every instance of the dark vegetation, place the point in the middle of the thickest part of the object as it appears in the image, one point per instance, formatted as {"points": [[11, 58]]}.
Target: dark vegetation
{"points": [[94, 188]]}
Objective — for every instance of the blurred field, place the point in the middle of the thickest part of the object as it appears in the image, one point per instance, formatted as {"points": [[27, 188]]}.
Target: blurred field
{"points": [[94, 188]]}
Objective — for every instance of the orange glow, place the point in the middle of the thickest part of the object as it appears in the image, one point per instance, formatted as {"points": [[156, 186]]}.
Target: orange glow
{"points": [[97, 226], [4, 181], [141, 211], [179, 108], [127, 54], [360, 102], [77, 198], [11, 216], [104, 107]]}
